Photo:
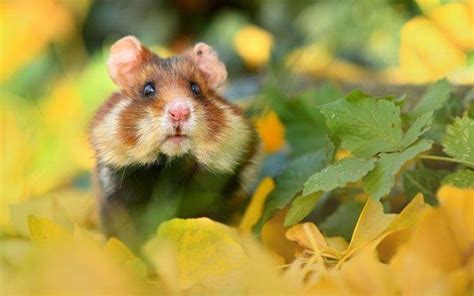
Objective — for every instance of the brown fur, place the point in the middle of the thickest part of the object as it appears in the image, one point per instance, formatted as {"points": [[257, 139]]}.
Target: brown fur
{"points": [[105, 108], [127, 123]]}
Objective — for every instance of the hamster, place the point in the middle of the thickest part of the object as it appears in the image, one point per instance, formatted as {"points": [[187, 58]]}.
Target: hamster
{"points": [[167, 144]]}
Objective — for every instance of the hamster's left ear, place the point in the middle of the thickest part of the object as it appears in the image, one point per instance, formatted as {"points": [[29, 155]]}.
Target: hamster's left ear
{"points": [[208, 62]]}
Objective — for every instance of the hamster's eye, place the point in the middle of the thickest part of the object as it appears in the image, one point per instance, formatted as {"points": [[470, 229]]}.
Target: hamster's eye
{"points": [[149, 89], [195, 88]]}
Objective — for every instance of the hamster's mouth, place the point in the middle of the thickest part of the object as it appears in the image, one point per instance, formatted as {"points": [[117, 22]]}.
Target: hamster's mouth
{"points": [[176, 138]]}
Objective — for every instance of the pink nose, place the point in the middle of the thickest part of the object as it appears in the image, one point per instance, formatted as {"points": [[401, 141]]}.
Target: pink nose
{"points": [[179, 113]]}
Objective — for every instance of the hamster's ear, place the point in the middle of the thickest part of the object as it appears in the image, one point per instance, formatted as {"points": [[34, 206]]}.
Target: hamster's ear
{"points": [[207, 60], [126, 57]]}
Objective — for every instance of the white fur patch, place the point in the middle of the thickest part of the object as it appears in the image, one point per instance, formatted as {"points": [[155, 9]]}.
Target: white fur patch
{"points": [[106, 138]]}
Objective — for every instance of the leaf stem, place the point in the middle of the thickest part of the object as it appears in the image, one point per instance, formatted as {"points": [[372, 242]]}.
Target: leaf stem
{"points": [[448, 159]]}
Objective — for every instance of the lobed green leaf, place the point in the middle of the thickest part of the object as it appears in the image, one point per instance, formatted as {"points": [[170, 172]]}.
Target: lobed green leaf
{"points": [[421, 125], [365, 126], [339, 174], [381, 179], [462, 178], [459, 139], [434, 98]]}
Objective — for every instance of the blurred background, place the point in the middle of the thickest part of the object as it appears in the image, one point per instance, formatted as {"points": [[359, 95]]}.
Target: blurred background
{"points": [[53, 73]]}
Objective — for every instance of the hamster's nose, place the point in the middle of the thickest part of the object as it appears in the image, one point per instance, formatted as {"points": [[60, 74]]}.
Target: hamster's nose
{"points": [[179, 113]]}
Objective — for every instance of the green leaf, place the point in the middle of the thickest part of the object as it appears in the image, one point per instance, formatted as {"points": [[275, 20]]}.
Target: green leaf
{"points": [[421, 125], [301, 207], [339, 174], [459, 139], [366, 126], [425, 181], [305, 129], [434, 98], [332, 177], [444, 117], [343, 221], [289, 183], [381, 179], [461, 178]]}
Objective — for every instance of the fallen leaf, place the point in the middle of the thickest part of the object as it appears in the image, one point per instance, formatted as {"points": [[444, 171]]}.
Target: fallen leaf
{"points": [[253, 45], [46, 232], [271, 131], [255, 208], [307, 235], [209, 256]]}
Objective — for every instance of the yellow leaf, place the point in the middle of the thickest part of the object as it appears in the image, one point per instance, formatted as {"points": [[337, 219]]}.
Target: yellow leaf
{"points": [[337, 244], [75, 269], [46, 232], [410, 214], [209, 256], [362, 275], [271, 131], [433, 241], [366, 275], [412, 275], [436, 259], [120, 252], [312, 59], [255, 208], [78, 205], [458, 206], [426, 54], [48, 19], [328, 284], [273, 233], [262, 277], [44, 207], [307, 235], [253, 45], [372, 222], [341, 70], [384, 232], [16, 153], [390, 243], [455, 21], [63, 207], [163, 257], [81, 235]]}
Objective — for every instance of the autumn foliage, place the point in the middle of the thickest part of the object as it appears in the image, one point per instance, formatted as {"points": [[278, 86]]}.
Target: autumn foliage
{"points": [[358, 194]]}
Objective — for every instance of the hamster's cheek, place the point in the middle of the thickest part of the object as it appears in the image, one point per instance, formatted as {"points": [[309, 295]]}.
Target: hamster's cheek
{"points": [[149, 137]]}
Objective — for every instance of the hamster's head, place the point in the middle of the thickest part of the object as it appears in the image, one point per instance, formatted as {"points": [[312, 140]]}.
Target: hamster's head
{"points": [[168, 106]]}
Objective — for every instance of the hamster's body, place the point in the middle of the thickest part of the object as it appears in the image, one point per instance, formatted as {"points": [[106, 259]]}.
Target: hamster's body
{"points": [[167, 145]]}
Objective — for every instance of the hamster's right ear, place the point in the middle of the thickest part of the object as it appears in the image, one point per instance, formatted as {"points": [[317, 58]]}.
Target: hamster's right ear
{"points": [[126, 57]]}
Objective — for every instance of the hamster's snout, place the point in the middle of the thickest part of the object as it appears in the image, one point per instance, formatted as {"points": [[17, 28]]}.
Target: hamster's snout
{"points": [[179, 112]]}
